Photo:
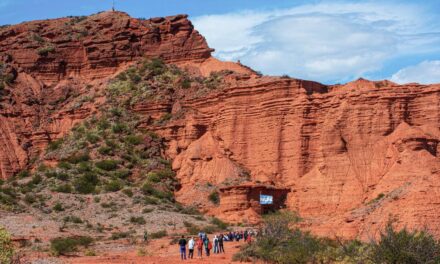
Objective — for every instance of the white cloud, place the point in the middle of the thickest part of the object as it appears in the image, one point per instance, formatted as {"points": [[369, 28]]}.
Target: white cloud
{"points": [[426, 72], [329, 42]]}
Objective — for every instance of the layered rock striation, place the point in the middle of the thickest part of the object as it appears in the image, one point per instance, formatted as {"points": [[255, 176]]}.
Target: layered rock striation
{"points": [[351, 156]]}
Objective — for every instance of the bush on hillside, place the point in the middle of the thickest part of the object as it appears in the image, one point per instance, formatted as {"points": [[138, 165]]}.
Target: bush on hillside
{"points": [[63, 246], [158, 234], [107, 165], [405, 247], [214, 197], [6, 246]]}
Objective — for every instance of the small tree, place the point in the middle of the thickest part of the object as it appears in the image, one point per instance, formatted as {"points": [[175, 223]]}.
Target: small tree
{"points": [[6, 247], [405, 247]]}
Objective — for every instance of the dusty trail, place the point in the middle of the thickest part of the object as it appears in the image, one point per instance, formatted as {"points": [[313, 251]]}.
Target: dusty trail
{"points": [[158, 251]]}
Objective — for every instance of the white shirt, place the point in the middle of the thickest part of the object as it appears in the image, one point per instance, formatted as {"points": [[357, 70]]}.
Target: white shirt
{"points": [[191, 244]]}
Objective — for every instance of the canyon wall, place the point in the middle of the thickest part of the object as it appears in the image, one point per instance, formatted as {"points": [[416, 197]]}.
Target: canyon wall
{"points": [[352, 155]]}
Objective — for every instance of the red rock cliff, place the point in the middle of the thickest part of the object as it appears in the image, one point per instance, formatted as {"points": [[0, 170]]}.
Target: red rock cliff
{"points": [[350, 155], [55, 62]]}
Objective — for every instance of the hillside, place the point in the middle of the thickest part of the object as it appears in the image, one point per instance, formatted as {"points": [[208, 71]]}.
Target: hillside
{"points": [[114, 117]]}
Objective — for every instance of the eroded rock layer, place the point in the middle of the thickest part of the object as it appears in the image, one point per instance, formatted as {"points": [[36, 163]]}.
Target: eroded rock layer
{"points": [[351, 156], [56, 66]]}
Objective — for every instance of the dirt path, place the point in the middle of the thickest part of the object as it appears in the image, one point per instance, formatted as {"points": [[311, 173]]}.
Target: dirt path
{"points": [[158, 251]]}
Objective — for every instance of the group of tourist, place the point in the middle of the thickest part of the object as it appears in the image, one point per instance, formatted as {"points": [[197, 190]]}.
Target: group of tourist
{"points": [[202, 243]]}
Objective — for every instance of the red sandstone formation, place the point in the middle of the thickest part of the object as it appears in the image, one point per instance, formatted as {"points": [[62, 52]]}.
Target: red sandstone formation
{"points": [[60, 60], [351, 155]]}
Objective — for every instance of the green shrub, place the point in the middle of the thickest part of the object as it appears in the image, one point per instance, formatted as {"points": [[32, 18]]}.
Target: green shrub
{"points": [[58, 207], [119, 128], [44, 51], [156, 66], [51, 174], [214, 197], [150, 200], [119, 235], [92, 138], [73, 219], [133, 139], [148, 189], [405, 247], [158, 234], [64, 165], [30, 198], [279, 242], [107, 165], [147, 210], [77, 158], [36, 179], [6, 246], [103, 124], [23, 174], [153, 177], [84, 166], [121, 174], [64, 188], [62, 176], [62, 246], [86, 183], [114, 186], [55, 145], [105, 150], [138, 220], [186, 83]]}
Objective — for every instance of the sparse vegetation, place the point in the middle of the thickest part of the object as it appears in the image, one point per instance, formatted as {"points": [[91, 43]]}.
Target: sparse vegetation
{"points": [[58, 207], [158, 234], [44, 51], [138, 220], [6, 246], [214, 197], [280, 241], [62, 246]]}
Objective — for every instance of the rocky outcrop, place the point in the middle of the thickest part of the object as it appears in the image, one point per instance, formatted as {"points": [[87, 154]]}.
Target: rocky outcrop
{"points": [[350, 155], [95, 46], [59, 68]]}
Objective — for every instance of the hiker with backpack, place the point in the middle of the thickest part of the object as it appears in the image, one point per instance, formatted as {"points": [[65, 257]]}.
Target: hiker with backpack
{"points": [[207, 244]]}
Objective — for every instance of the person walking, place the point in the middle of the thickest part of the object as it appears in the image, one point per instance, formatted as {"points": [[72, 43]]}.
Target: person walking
{"points": [[191, 244], [220, 244], [207, 245], [182, 245], [245, 235], [199, 245], [145, 237]]}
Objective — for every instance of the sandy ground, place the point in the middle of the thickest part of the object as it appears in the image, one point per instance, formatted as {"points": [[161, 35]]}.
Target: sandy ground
{"points": [[157, 251]]}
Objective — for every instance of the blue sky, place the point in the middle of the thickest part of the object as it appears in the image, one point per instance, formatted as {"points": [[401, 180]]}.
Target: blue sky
{"points": [[327, 41]]}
